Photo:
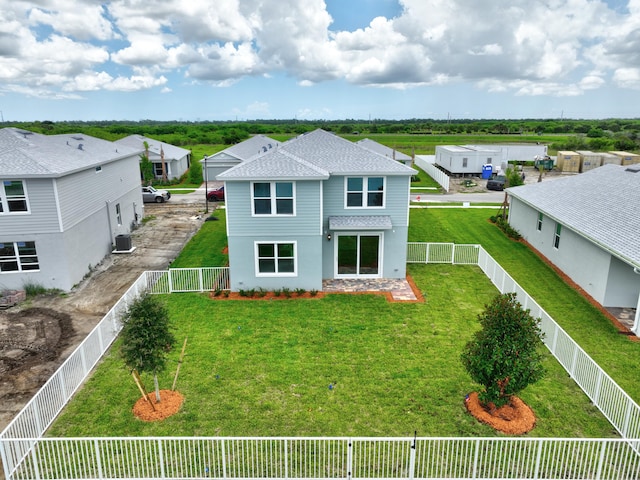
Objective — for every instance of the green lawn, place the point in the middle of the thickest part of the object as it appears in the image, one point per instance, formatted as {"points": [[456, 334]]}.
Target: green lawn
{"points": [[615, 353], [265, 367]]}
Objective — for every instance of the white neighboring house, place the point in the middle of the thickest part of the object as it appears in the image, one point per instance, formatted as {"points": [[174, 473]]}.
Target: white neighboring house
{"points": [[176, 160], [463, 159], [588, 226], [63, 201], [219, 162]]}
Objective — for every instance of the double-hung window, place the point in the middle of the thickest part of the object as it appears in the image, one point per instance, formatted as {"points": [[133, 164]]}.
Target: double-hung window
{"points": [[18, 257], [273, 198], [13, 197], [556, 236], [539, 224], [364, 192], [275, 259]]}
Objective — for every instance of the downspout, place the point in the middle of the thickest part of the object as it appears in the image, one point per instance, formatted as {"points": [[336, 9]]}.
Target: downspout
{"points": [[111, 236], [636, 323]]}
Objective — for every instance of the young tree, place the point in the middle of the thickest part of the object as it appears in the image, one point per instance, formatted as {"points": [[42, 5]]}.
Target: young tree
{"points": [[146, 337], [503, 356], [146, 167]]}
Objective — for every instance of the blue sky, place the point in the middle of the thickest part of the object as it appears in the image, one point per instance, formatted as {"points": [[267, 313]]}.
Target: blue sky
{"points": [[318, 59]]}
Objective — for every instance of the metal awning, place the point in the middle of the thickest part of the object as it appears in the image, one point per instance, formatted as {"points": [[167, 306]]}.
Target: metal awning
{"points": [[360, 222]]}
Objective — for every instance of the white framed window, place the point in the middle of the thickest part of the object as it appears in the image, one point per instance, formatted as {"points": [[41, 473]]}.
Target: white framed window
{"points": [[273, 198], [13, 197], [556, 236], [364, 192], [18, 257], [118, 214], [465, 162], [276, 259], [539, 224]]}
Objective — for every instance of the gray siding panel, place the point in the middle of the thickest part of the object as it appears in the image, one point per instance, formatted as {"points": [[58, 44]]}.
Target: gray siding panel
{"points": [[242, 257], [43, 216], [305, 222], [84, 193]]}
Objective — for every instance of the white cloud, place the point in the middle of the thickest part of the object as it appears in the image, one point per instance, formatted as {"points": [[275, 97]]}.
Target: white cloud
{"points": [[528, 47]]}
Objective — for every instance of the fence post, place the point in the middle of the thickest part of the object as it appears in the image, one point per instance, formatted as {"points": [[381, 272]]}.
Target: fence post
{"points": [[453, 254], [350, 459], [170, 281], [161, 455], [536, 472], [200, 279], [412, 460], [224, 458], [627, 417], [474, 474], [574, 360], [286, 458], [96, 448], [596, 393]]}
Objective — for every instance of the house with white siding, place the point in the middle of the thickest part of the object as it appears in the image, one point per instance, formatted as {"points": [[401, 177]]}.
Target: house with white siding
{"points": [[223, 160], [168, 161], [63, 201], [316, 207], [588, 226]]}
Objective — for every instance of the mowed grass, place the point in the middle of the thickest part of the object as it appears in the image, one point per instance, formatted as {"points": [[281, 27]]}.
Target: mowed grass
{"points": [[591, 329], [340, 365]]}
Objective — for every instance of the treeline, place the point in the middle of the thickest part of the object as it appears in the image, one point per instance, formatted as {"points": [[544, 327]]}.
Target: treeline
{"points": [[605, 134]]}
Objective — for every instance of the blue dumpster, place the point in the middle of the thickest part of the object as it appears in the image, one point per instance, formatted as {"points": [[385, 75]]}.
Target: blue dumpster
{"points": [[487, 170]]}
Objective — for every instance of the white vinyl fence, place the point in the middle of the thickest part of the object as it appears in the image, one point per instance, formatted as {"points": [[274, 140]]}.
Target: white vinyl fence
{"points": [[434, 172], [332, 458], [26, 455]]}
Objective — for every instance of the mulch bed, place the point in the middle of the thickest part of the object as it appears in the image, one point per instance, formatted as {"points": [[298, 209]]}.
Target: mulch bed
{"points": [[515, 418], [170, 403]]}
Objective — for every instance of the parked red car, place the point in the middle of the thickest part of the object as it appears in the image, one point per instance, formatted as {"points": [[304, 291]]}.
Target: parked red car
{"points": [[216, 195]]}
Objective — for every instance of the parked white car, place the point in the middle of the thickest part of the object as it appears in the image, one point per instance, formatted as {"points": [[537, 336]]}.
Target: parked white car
{"points": [[150, 195]]}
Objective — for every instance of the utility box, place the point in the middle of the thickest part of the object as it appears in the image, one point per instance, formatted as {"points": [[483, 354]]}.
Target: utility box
{"points": [[627, 158], [589, 160], [123, 242]]}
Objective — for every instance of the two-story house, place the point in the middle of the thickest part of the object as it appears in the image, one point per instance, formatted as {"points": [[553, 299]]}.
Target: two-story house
{"points": [[63, 201], [316, 207], [168, 161]]}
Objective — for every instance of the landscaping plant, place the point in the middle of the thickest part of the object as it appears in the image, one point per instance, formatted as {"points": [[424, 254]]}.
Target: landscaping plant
{"points": [[503, 356], [146, 337]]}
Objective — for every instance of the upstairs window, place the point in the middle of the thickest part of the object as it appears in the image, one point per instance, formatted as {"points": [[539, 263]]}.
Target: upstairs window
{"points": [[539, 225], [364, 192], [13, 197], [273, 198], [18, 257]]}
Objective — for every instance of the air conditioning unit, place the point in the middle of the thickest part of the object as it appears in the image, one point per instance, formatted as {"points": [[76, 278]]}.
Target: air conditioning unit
{"points": [[123, 242]]}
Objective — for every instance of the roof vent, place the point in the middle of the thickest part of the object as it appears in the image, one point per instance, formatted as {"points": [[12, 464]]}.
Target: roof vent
{"points": [[79, 146], [264, 149], [633, 168], [77, 138]]}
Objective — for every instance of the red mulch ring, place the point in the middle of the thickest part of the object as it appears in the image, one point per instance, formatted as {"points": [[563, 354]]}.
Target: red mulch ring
{"points": [[170, 403], [515, 418]]}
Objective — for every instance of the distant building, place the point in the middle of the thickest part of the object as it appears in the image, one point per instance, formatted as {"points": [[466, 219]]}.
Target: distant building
{"points": [[217, 163], [167, 159], [386, 151], [469, 159]]}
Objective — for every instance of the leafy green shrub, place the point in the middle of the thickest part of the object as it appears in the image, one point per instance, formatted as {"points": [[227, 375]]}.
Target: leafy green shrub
{"points": [[503, 356], [286, 292], [300, 291], [313, 292], [277, 292], [504, 225]]}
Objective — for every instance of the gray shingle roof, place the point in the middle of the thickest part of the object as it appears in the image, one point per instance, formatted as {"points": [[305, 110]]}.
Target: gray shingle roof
{"points": [[171, 152], [321, 154], [602, 205], [26, 154], [252, 147], [382, 149]]}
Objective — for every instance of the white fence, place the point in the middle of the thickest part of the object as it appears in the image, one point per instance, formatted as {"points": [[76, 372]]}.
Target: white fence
{"points": [[174, 280], [611, 400], [434, 172], [340, 458], [26, 455], [442, 253]]}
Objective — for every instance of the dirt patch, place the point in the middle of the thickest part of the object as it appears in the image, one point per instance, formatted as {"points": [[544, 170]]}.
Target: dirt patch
{"points": [[170, 403], [39, 334], [515, 418]]}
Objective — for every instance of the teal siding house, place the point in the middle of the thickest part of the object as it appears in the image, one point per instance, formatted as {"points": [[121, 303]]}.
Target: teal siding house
{"points": [[316, 207]]}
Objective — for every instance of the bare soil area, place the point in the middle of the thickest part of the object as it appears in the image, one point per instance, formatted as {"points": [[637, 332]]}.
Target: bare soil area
{"points": [[39, 334]]}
